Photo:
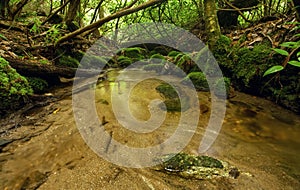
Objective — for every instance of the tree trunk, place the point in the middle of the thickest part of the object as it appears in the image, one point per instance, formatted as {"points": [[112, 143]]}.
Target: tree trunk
{"points": [[4, 8], [18, 9], [212, 27], [51, 73], [71, 16]]}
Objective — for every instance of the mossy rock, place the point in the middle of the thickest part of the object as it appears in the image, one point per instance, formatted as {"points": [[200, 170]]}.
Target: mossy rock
{"points": [[124, 61], [196, 167], [173, 53], [198, 79], [68, 61], [37, 84], [154, 67], [174, 104], [14, 88], [223, 47], [93, 61], [135, 53], [157, 59], [183, 161], [158, 56], [222, 87], [167, 91]]}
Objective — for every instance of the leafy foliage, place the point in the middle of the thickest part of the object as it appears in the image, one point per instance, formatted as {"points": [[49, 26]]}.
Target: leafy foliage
{"points": [[293, 46]]}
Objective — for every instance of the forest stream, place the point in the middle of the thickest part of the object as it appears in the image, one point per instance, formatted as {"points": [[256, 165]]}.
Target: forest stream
{"points": [[46, 150]]}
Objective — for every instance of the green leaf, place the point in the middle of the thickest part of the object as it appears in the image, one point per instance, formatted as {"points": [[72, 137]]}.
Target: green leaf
{"points": [[3, 37], [298, 54], [281, 51], [290, 44], [273, 69], [297, 35], [294, 63]]}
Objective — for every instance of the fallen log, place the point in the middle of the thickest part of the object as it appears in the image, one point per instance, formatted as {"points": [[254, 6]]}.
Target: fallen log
{"points": [[51, 73]]}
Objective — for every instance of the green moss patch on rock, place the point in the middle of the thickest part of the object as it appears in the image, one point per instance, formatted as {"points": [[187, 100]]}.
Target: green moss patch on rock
{"points": [[37, 84], [167, 91], [198, 79], [68, 61], [222, 87], [93, 61], [196, 167], [14, 88], [173, 102], [154, 67]]}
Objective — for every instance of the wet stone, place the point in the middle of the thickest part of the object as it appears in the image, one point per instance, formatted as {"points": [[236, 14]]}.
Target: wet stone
{"points": [[197, 167]]}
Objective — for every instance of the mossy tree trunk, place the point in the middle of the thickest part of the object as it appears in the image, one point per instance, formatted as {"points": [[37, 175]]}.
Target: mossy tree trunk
{"points": [[212, 27], [73, 10]]}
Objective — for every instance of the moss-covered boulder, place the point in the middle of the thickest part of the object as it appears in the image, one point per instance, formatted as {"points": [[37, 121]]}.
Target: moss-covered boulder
{"points": [[68, 61], [222, 87], [199, 167], [154, 67], [173, 102], [167, 91], [198, 79], [14, 88], [37, 84], [124, 61], [134, 53], [94, 61]]}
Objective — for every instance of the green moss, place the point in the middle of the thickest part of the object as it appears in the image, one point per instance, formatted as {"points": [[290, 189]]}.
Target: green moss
{"points": [[68, 61], [198, 79], [157, 59], [172, 101], [167, 91], [183, 61], [258, 55], [222, 85], [154, 67], [93, 61], [174, 104], [196, 167], [173, 54], [14, 88], [182, 162], [37, 84], [158, 56], [135, 53], [124, 61]]}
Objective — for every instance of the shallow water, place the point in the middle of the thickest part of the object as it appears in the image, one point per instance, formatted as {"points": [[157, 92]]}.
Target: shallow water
{"points": [[261, 139]]}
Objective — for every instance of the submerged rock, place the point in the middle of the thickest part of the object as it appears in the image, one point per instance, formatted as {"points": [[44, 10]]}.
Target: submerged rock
{"points": [[173, 102], [198, 167]]}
